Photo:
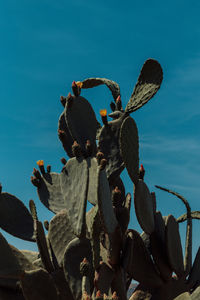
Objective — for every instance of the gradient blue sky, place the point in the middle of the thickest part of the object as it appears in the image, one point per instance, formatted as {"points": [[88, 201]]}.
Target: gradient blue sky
{"points": [[46, 44]]}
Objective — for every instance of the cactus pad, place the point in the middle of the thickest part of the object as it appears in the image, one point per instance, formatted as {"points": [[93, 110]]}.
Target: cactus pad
{"points": [[74, 184], [15, 217], [75, 251], [194, 215], [144, 207], [129, 146], [50, 193], [92, 194], [174, 248], [9, 264], [92, 82], [105, 204], [109, 145], [148, 84], [60, 234], [194, 276], [158, 248], [65, 136], [140, 266], [81, 121], [38, 284]]}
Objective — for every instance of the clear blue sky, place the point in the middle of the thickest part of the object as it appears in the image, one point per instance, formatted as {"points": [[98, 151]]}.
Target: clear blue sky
{"points": [[47, 44]]}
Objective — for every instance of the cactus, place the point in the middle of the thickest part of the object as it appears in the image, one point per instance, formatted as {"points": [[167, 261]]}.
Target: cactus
{"points": [[94, 255]]}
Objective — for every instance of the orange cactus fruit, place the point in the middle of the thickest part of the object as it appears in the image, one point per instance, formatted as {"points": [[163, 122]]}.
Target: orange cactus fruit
{"points": [[40, 163], [103, 112]]}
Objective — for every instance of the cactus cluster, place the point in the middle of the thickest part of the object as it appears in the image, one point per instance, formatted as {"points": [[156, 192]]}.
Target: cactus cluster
{"points": [[94, 254]]}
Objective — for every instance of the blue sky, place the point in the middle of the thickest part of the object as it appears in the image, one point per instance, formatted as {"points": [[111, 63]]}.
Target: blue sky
{"points": [[45, 45]]}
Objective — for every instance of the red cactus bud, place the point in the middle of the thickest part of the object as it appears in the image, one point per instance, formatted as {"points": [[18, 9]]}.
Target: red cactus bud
{"points": [[114, 296], [103, 163], [98, 294], [117, 190], [89, 148], [141, 167], [76, 89], [63, 100], [76, 149], [63, 161], [85, 261], [99, 157], [141, 172], [119, 102]]}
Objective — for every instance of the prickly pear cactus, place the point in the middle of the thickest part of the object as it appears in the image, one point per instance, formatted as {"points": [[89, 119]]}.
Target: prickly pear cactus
{"points": [[94, 254]]}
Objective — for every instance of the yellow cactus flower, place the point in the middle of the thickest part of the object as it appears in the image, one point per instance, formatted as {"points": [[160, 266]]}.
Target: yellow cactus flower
{"points": [[79, 84], [40, 163], [103, 112]]}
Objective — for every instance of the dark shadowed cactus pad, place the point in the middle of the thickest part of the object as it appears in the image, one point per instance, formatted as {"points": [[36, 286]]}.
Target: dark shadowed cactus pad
{"points": [[129, 146], [8, 294], [195, 271], [174, 248], [50, 193], [74, 184], [105, 204], [148, 84], [109, 144], [15, 217], [144, 207], [60, 233], [22, 259], [75, 252], [38, 284], [67, 140], [81, 121], [9, 264], [140, 265], [158, 247]]}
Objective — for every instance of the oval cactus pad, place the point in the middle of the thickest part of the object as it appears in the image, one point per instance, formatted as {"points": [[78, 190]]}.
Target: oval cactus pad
{"points": [[60, 234], [140, 266], [144, 207], [174, 248], [75, 252], [105, 204], [129, 146], [9, 264], [109, 144], [92, 196], [67, 140], [81, 121], [74, 184], [15, 218], [148, 84], [50, 193]]}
